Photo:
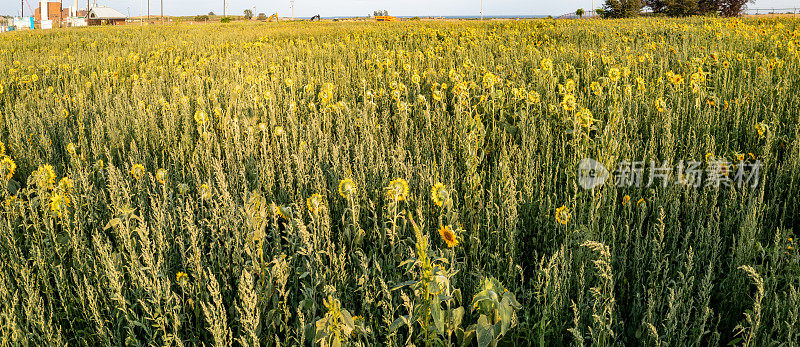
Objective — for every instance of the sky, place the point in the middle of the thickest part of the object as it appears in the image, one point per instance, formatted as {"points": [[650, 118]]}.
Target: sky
{"points": [[344, 8]]}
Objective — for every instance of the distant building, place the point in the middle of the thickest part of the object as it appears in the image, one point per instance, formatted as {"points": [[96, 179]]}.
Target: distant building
{"points": [[102, 15], [54, 11]]}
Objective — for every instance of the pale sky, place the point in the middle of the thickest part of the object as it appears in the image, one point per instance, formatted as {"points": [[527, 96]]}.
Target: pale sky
{"points": [[343, 8]]}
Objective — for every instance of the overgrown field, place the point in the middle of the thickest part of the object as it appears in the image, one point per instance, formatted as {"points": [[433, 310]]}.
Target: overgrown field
{"points": [[399, 183]]}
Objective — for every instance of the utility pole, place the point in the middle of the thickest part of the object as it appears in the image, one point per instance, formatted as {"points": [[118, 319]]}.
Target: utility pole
{"points": [[148, 11], [292, 9], [224, 9], [481, 9], [162, 12]]}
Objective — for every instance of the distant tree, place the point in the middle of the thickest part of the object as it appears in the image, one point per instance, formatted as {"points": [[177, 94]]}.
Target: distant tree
{"points": [[211, 13], [579, 13], [226, 20], [248, 14], [622, 8], [732, 8], [202, 18], [262, 16]]}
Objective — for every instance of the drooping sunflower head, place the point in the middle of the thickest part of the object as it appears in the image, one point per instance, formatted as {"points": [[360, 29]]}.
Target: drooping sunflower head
{"points": [[7, 167], [162, 176], [569, 103], [614, 74], [397, 189], [314, 203], [58, 204], [439, 194], [563, 215], [205, 191], [448, 236], [182, 278], [626, 199], [346, 188], [137, 171], [201, 118], [44, 177]]}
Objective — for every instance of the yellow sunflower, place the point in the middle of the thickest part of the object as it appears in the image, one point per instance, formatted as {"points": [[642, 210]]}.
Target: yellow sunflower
{"points": [[7, 167], [314, 203], [448, 236], [397, 189], [161, 176], [182, 278], [563, 215], [439, 194], [346, 188], [137, 171], [569, 103]]}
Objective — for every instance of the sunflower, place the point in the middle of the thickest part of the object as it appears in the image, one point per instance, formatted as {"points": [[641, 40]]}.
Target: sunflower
{"points": [[448, 236], [563, 215], [161, 176], [314, 203], [346, 188], [7, 167], [439, 194], [205, 191], [137, 171], [44, 177], [626, 199], [569, 103], [597, 89], [200, 117], [546, 64], [71, 148], [533, 97], [762, 129], [182, 278], [397, 189], [660, 105], [279, 131], [58, 204], [585, 118]]}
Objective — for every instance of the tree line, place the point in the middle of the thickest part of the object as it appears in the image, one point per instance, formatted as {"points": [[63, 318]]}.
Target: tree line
{"points": [[674, 8]]}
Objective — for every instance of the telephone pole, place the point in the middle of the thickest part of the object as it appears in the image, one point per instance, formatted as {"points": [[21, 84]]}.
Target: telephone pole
{"points": [[162, 12], [481, 9], [292, 9], [224, 9], [148, 11]]}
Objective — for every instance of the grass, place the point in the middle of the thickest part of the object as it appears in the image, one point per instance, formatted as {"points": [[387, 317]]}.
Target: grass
{"points": [[396, 183]]}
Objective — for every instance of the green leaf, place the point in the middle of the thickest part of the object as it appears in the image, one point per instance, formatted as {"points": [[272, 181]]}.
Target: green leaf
{"points": [[402, 320], [438, 317], [112, 223], [484, 331], [403, 284], [458, 315]]}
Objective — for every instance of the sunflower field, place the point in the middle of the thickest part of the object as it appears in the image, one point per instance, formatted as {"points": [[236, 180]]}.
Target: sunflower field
{"points": [[405, 183]]}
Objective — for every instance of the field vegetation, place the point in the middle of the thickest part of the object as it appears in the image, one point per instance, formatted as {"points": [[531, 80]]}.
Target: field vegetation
{"points": [[398, 183]]}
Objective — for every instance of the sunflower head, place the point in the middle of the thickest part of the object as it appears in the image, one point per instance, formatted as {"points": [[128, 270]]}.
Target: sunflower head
{"points": [[58, 204], [182, 278], [205, 191], [314, 203], [397, 189], [626, 199], [563, 215], [44, 177], [346, 188], [7, 167], [439, 194], [137, 171], [162, 176], [448, 236]]}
